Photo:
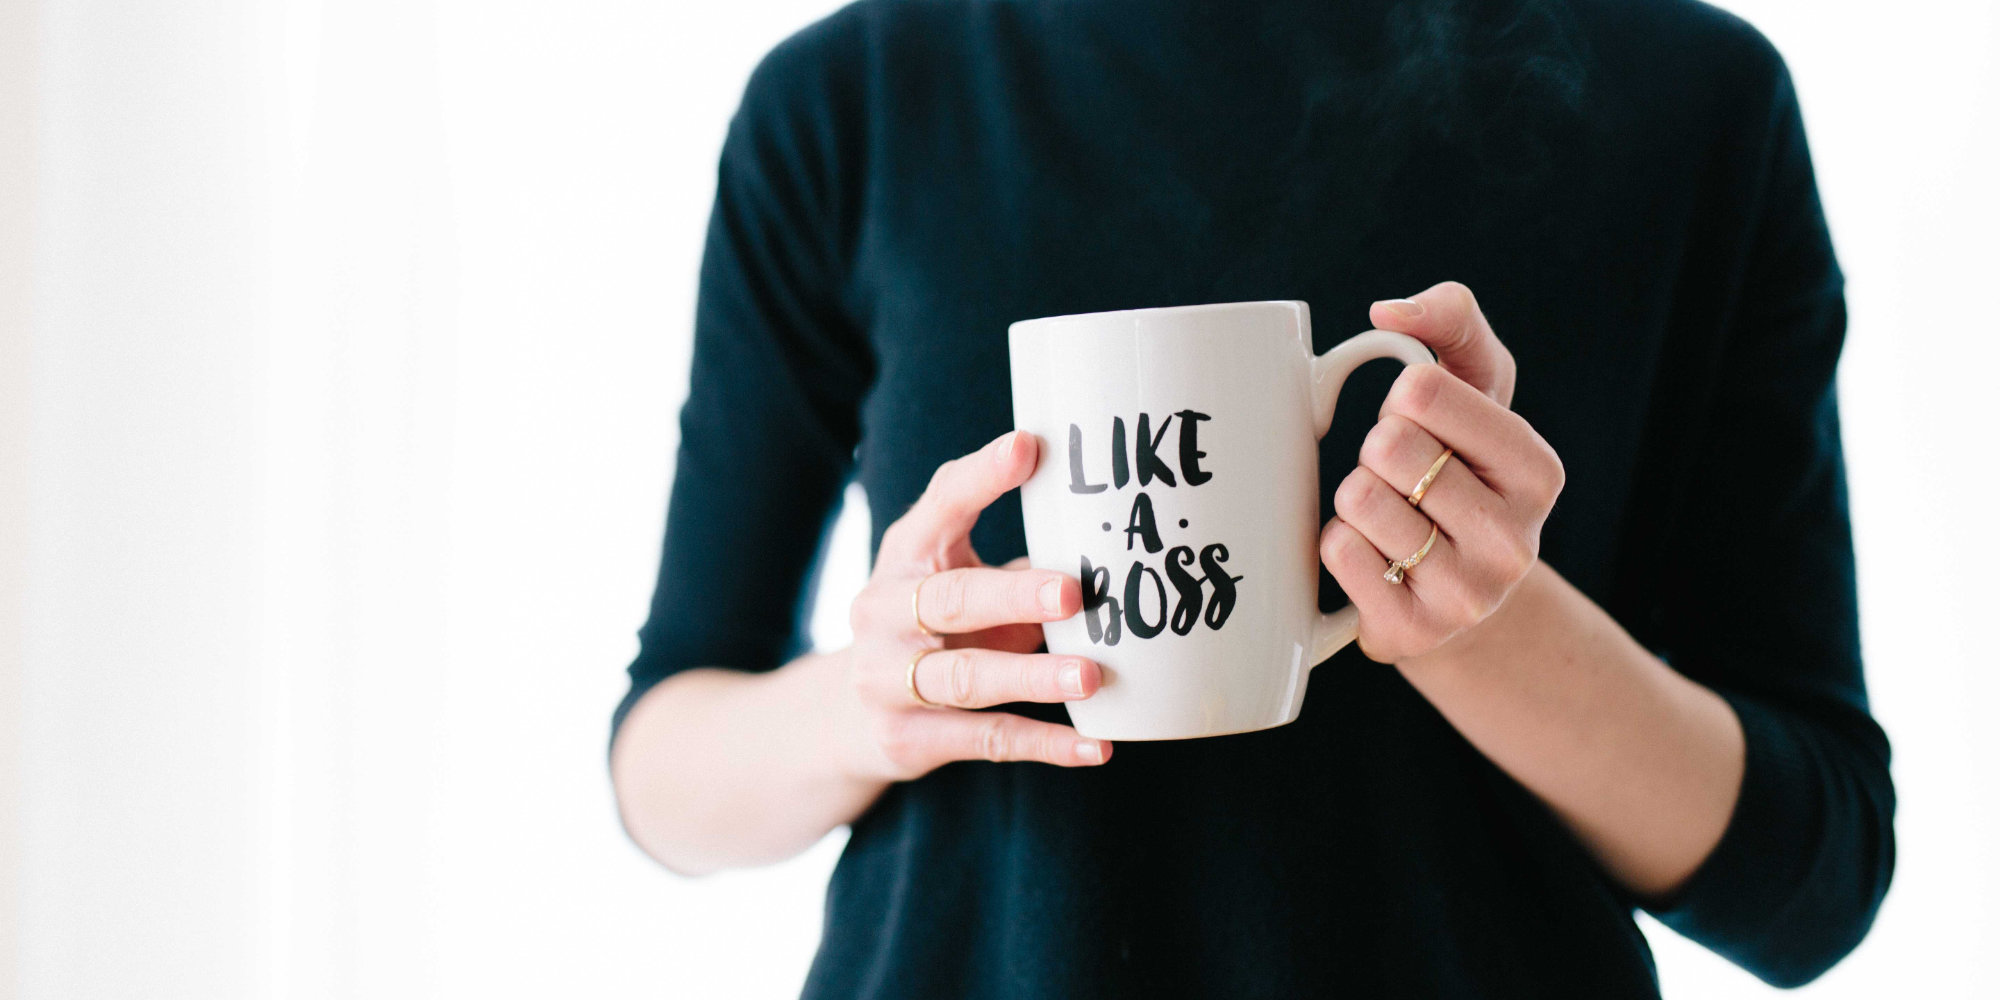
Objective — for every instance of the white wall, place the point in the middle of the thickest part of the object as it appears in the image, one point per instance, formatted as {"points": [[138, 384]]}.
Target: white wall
{"points": [[1902, 105], [341, 349]]}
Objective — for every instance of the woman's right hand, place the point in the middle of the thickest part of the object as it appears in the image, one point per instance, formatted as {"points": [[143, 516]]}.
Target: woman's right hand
{"points": [[987, 625]]}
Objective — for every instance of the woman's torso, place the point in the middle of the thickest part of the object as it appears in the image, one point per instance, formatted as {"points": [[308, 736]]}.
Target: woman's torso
{"points": [[1027, 159]]}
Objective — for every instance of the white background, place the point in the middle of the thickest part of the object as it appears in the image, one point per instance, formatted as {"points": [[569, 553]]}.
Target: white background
{"points": [[339, 352]]}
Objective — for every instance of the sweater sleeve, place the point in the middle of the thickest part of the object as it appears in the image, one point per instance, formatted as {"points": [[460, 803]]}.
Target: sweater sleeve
{"points": [[771, 421], [1760, 604]]}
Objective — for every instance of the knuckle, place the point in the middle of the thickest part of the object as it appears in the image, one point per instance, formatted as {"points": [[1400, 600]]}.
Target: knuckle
{"points": [[895, 538], [896, 738], [1555, 477], [1521, 556], [1463, 605], [1544, 476], [961, 673], [951, 507], [951, 597], [1479, 603], [995, 742], [1480, 608], [1416, 390], [1329, 547], [1351, 493], [1027, 681], [1534, 499], [1495, 560], [1390, 436], [1349, 556], [860, 613], [940, 479], [1479, 593], [933, 558], [1331, 542], [1379, 444], [1376, 491], [1027, 595]]}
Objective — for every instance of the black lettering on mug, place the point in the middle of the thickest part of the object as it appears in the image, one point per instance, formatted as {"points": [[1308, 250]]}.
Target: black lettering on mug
{"points": [[1096, 594], [1188, 610], [1148, 445], [1106, 618], [1120, 475], [1141, 523], [1076, 480], [1224, 600], [1191, 471], [1135, 618]]}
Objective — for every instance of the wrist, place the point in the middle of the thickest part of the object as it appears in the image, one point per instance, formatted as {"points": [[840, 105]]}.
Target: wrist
{"points": [[1475, 645]]}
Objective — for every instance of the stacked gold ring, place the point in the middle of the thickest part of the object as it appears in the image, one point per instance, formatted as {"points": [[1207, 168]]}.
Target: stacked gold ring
{"points": [[1394, 574], [1416, 496], [916, 608], [917, 615], [910, 679]]}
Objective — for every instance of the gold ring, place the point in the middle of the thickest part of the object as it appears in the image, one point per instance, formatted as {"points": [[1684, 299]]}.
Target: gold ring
{"points": [[1394, 574], [916, 609], [1424, 485], [910, 679]]}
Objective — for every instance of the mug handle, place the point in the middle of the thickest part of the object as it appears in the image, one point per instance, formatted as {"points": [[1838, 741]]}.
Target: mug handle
{"points": [[1329, 374]]}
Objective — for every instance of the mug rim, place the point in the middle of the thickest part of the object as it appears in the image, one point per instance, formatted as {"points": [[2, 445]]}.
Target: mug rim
{"points": [[1296, 305]]}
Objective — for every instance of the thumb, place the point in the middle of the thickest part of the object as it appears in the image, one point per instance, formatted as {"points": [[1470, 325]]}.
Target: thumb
{"points": [[1447, 319]]}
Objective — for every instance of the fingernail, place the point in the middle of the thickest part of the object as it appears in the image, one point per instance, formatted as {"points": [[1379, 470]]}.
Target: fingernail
{"points": [[1052, 596], [1071, 678], [1403, 307], [1090, 751], [1008, 442]]}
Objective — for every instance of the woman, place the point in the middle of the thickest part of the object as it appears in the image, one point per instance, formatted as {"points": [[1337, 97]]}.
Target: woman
{"points": [[1646, 694]]}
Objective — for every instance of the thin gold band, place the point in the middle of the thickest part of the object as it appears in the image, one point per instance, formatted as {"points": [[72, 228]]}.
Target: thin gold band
{"points": [[910, 679], [916, 609], [1394, 574], [1416, 496]]}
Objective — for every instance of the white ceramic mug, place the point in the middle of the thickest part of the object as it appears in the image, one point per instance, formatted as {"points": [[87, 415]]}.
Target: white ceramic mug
{"points": [[1179, 479]]}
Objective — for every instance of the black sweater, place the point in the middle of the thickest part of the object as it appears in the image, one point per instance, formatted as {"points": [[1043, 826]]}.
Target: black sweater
{"points": [[1625, 185]]}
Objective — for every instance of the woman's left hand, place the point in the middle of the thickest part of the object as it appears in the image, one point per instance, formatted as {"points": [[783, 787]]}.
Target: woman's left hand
{"points": [[1488, 501]]}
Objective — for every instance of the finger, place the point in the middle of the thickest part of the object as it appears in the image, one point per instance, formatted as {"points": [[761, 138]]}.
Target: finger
{"points": [[1496, 443], [1357, 566], [1400, 451], [978, 678], [1019, 637], [932, 534], [1448, 320], [1396, 529], [973, 598], [998, 736], [1016, 637]]}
